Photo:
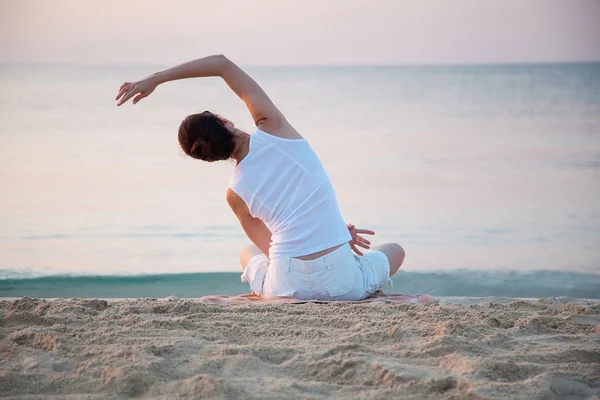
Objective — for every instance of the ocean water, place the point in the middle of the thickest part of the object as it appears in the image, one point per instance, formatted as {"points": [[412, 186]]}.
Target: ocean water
{"points": [[451, 283], [473, 169]]}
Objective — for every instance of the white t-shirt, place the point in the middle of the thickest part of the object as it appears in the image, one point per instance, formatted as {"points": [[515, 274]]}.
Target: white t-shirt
{"points": [[284, 184]]}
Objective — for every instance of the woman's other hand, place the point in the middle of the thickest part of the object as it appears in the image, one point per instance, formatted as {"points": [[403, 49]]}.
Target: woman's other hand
{"points": [[359, 240], [129, 89]]}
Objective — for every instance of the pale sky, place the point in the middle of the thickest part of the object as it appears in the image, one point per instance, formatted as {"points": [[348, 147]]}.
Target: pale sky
{"points": [[299, 32]]}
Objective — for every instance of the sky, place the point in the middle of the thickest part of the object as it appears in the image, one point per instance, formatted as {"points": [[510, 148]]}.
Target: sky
{"points": [[299, 32]]}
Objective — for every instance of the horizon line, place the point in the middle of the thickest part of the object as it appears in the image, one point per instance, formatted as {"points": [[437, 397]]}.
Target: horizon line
{"points": [[344, 65]]}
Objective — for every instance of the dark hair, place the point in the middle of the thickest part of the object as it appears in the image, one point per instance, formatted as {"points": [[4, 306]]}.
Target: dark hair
{"points": [[205, 137]]}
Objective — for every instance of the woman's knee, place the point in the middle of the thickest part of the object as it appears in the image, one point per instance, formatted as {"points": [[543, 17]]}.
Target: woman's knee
{"points": [[247, 252], [395, 254]]}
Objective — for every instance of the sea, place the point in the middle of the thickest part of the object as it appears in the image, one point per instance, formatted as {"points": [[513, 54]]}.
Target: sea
{"points": [[487, 175]]}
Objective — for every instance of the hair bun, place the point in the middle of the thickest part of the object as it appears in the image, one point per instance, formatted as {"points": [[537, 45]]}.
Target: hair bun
{"points": [[203, 137], [200, 149]]}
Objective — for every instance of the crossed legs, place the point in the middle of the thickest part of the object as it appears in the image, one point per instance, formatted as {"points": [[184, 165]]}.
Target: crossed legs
{"points": [[393, 251]]}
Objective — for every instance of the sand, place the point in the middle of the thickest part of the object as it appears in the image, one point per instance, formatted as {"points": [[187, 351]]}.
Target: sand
{"points": [[180, 348]]}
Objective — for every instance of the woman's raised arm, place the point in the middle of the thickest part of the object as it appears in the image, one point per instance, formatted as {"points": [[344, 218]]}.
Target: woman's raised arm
{"points": [[261, 108]]}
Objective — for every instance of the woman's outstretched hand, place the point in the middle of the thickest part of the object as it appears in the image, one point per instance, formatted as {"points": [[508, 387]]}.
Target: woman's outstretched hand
{"points": [[359, 240], [129, 89]]}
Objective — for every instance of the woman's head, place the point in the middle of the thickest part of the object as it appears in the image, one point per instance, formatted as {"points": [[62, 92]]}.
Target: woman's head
{"points": [[207, 137]]}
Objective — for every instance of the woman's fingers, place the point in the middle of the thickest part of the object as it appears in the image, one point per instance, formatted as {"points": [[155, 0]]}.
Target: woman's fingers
{"points": [[121, 92], [139, 97], [123, 89], [362, 239], [359, 240], [129, 94], [356, 250], [365, 231]]}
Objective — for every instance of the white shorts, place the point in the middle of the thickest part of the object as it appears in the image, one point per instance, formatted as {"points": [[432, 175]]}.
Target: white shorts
{"points": [[339, 275]]}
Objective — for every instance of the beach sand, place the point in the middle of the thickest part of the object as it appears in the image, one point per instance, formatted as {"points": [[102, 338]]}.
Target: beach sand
{"points": [[180, 348]]}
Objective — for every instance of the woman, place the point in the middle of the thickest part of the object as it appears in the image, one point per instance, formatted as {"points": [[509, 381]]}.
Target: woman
{"points": [[281, 195]]}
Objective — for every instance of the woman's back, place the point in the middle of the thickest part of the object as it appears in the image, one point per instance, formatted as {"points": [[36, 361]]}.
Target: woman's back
{"points": [[284, 184]]}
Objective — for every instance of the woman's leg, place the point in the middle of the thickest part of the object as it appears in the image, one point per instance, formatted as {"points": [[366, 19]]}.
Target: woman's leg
{"points": [[248, 251], [394, 253]]}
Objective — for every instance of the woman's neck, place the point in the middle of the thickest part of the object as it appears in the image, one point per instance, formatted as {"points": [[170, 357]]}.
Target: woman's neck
{"points": [[241, 146]]}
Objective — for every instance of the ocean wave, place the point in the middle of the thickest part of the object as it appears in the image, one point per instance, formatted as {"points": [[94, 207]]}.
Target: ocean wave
{"points": [[474, 283]]}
